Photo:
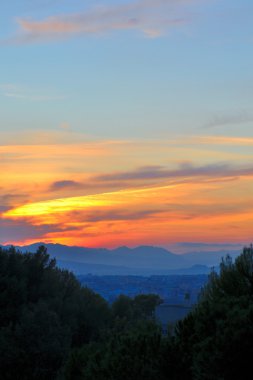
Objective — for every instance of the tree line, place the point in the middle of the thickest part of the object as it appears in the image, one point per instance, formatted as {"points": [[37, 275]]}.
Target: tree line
{"points": [[53, 328]]}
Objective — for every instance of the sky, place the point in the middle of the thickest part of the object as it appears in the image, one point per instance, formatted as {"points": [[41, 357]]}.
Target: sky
{"points": [[126, 122]]}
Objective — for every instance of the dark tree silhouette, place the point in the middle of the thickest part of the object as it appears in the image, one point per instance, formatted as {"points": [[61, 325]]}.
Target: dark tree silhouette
{"points": [[216, 339]]}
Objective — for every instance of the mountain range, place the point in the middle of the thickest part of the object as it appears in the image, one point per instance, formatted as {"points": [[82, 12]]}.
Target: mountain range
{"points": [[142, 260]]}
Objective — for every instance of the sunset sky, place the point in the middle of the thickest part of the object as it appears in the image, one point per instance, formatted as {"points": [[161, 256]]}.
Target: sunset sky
{"points": [[126, 122]]}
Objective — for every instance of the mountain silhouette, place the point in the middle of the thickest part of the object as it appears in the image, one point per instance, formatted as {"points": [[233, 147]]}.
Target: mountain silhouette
{"points": [[142, 260]]}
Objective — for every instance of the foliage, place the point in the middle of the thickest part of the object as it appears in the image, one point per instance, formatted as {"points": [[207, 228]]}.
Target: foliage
{"points": [[52, 328], [43, 313], [216, 339], [138, 353], [140, 307]]}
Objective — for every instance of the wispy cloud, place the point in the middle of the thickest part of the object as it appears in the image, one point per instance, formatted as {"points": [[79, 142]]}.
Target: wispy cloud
{"points": [[113, 215], [240, 117], [223, 140], [151, 17], [10, 200], [65, 184], [10, 90], [23, 230], [184, 170]]}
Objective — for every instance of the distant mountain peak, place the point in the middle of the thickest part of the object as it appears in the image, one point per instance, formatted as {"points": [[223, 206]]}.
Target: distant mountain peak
{"points": [[142, 259]]}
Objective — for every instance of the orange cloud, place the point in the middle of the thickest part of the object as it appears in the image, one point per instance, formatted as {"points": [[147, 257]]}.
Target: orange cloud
{"points": [[151, 17], [225, 140], [192, 211], [95, 193]]}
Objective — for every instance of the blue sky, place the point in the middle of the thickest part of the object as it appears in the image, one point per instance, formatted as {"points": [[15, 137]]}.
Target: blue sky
{"points": [[126, 123], [189, 77]]}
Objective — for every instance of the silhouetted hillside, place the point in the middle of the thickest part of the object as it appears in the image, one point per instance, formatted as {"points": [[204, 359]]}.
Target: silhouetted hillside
{"points": [[52, 328], [143, 260]]}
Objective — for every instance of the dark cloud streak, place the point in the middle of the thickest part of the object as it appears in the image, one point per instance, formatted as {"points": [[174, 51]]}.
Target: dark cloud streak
{"points": [[65, 184], [233, 119], [184, 170]]}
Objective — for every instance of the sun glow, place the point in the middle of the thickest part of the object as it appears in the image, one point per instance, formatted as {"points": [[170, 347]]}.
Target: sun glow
{"points": [[98, 195], [85, 202]]}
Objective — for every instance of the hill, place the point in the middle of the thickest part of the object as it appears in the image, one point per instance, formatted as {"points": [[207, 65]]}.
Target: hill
{"points": [[142, 260]]}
